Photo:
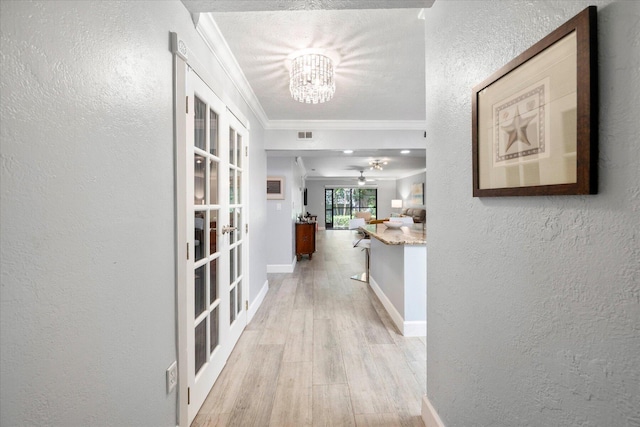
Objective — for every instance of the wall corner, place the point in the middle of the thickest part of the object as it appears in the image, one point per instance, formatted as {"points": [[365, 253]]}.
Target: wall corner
{"points": [[430, 417]]}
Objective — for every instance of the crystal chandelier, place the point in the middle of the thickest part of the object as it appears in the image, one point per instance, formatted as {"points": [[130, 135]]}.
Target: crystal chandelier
{"points": [[311, 78], [377, 164]]}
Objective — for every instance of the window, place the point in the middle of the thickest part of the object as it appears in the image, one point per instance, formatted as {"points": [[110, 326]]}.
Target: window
{"points": [[341, 205]]}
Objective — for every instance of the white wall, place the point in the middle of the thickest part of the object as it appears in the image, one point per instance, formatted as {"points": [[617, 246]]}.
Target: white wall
{"points": [[281, 214], [386, 192], [315, 199], [324, 139], [403, 189], [258, 224], [533, 302], [87, 210]]}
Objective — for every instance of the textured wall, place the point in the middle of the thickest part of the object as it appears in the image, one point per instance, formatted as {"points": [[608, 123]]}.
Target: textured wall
{"points": [[87, 210], [533, 303]]}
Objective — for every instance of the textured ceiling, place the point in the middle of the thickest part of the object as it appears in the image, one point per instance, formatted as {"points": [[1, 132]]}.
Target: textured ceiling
{"points": [[379, 43], [255, 5], [380, 75]]}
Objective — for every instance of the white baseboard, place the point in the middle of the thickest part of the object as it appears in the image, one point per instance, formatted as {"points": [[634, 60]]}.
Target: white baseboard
{"points": [[257, 301], [415, 329], [395, 316], [430, 417], [407, 329], [282, 268]]}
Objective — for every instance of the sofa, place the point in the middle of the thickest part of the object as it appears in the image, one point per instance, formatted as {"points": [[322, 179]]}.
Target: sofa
{"points": [[364, 215], [419, 215]]}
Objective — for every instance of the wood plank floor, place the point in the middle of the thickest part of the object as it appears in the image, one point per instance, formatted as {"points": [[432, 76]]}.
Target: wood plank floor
{"points": [[320, 351]]}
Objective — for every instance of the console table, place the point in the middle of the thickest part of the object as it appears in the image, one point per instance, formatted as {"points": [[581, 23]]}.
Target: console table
{"points": [[305, 239]]}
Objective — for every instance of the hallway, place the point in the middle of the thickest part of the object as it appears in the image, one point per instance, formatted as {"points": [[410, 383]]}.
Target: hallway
{"points": [[321, 350]]}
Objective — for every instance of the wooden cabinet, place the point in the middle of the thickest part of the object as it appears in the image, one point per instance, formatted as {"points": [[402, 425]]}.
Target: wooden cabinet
{"points": [[305, 239]]}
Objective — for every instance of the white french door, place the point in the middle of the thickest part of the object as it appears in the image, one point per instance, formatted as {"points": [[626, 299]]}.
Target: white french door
{"points": [[216, 249]]}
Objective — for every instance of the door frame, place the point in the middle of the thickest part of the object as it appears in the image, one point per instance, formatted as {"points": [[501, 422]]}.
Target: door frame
{"points": [[181, 62]]}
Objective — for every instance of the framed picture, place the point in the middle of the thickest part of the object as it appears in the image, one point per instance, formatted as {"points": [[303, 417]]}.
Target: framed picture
{"points": [[535, 120], [417, 194], [275, 187]]}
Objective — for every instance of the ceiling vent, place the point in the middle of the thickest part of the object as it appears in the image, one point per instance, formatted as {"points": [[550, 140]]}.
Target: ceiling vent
{"points": [[307, 135]]}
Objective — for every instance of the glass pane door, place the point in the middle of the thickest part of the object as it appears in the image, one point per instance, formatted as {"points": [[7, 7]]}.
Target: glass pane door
{"points": [[328, 208], [216, 313], [237, 248], [205, 232], [341, 205]]}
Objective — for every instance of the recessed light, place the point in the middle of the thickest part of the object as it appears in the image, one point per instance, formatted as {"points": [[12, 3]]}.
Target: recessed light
{"points": [[348, 151], [405, 151]]}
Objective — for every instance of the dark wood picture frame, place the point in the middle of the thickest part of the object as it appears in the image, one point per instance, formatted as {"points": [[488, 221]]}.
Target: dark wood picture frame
{"points": [[503, 144]]}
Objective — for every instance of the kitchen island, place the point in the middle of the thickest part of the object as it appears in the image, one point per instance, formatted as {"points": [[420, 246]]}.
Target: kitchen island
{"points": [[398, 274]]}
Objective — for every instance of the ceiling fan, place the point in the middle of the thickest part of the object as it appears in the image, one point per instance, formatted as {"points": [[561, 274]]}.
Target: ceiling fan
{"points": [[361, 179]]}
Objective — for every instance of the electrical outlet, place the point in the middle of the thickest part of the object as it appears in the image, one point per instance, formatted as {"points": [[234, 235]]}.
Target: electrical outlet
{"points": [[172, 377]]}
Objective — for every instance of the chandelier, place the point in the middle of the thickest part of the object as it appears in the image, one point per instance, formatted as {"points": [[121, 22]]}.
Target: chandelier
{"points": [[311, 78], [377, 164]]}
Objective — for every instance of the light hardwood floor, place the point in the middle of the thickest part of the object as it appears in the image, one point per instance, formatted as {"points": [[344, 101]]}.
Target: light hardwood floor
{"points": [[320, 351]]}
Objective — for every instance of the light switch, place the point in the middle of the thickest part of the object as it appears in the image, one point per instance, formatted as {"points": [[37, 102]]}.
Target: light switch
{"points": [[278, 206]]}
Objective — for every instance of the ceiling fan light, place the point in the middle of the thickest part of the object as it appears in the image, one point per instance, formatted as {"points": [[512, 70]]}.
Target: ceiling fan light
{"points": [[361, 179]]}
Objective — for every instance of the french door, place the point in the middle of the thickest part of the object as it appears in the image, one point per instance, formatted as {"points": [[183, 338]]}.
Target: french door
{"points": [[216, 248]]}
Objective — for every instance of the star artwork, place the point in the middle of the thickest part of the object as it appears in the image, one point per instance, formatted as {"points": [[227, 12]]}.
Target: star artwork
{"points": [[523, 118], [517, 129]]}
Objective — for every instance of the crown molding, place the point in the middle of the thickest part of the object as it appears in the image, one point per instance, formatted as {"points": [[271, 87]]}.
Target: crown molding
{"points": [[347, 124], [415, 172], [210, 33]]}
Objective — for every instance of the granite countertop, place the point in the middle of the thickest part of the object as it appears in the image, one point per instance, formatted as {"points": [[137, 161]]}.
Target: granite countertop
{"points": [[411, 234]]}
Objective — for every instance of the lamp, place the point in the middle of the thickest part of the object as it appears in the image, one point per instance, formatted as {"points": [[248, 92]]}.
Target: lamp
{"points": [[311, 78], [377, 164], [396, 203]]}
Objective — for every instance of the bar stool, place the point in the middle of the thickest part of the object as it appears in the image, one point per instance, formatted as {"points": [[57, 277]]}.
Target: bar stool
{"points": [[364, 243]]}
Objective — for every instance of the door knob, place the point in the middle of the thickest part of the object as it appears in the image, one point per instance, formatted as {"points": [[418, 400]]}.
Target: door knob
{"points": [[228, 229]]}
